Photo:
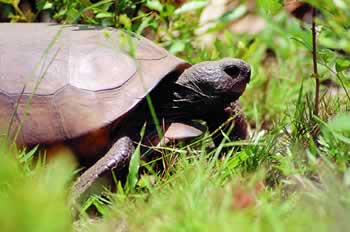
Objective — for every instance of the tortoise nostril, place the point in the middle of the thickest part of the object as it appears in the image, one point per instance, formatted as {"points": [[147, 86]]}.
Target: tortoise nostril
{"points": [[232, 70]]}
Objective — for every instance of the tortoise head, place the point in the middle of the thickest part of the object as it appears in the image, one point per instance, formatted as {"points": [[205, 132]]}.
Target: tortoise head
{"points": [[212, 84]]}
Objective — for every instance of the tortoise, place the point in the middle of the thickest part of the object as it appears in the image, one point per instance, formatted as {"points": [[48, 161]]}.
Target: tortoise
{"points": [[84, 88]]}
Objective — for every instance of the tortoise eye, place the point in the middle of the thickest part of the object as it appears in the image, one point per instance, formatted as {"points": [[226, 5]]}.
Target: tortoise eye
{"points": [[232, 70]]}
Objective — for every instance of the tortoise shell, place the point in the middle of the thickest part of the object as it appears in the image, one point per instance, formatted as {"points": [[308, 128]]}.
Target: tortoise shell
{"points": [[60, 82]]}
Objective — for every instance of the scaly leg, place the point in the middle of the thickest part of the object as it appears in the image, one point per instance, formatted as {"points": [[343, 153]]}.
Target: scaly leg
{"points": [[116, 158], [240, 129]]}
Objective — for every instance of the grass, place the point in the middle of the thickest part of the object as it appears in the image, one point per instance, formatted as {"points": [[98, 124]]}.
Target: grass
{"points": [[33, 197], [279, 180]]}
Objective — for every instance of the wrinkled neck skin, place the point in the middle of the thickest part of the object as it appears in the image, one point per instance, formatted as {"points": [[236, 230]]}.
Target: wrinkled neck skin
{"points": [[176, 101], [194, 103]]}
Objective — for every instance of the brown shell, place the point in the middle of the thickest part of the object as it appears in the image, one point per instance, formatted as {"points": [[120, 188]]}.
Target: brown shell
{"points": [[59, 82]]}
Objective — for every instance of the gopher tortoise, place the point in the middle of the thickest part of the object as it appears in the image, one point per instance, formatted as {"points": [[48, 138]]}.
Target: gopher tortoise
{"points": [[84, 88]]}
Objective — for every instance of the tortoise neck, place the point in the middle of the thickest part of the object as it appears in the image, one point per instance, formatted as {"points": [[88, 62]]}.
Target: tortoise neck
{"points": [[181, 104]]}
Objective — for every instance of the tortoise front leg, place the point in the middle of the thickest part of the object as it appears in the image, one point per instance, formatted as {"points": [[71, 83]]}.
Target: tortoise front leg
{"points": [[240, 129], [116, 158]]}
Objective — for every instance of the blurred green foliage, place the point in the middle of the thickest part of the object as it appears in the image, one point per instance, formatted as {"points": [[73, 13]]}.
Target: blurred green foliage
{"points": [[33, 197]]}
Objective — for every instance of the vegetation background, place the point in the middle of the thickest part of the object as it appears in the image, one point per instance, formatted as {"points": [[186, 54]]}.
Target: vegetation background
{"points": [[292, 174]]}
